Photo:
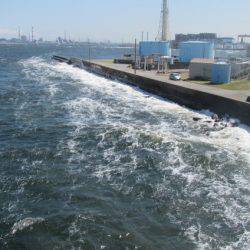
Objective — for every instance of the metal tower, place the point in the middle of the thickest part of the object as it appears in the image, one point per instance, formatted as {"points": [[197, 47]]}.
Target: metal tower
{"points": [[163, 33]]}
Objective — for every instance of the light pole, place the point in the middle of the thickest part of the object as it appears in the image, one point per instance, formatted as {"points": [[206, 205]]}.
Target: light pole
{"points": [[89, 50], [135, 55]]}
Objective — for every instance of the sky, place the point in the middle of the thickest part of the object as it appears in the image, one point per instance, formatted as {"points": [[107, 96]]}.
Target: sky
{"points": [[120, 20]]}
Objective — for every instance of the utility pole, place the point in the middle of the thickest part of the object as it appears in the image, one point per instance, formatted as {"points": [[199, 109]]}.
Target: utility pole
{"points": [[135, 55], [89, 50]]}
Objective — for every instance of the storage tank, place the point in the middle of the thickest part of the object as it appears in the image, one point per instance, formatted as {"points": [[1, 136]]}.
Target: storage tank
{"points": [[196, 49], [149, 48], [221, 72]]}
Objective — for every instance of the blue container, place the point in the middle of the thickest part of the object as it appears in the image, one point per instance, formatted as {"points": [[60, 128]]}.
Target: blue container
{"points": [[196, 49], [221, 73], [149, 48]]}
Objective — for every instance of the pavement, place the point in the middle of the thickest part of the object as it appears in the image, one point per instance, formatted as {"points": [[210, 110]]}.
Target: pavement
{"points": [[232, 94]]}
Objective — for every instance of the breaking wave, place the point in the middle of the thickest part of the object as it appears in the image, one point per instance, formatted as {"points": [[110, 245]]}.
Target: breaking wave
{"points": [[25, 224]]}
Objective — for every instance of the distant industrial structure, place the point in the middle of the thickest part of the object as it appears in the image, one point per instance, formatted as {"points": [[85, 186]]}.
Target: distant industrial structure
{"points": [[209, 70], [241, 38], [164, 31], [248, 51], [196, 49], [155, 54], [198, 52], [156, 48], [218, 72], [200, 69], [179, 38], [24, 39]]}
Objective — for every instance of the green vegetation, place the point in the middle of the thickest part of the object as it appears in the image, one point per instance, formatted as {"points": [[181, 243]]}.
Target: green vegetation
{"points": [[237, 85], [108, 61], [243, 84]]}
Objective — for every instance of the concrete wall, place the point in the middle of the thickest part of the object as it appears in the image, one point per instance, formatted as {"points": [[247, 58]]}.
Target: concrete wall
{"points": [[240, 69], [201, 71], [190, 98]]}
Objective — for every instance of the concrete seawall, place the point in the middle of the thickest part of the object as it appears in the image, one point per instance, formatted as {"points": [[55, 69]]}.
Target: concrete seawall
{"points": [[189, 97]]}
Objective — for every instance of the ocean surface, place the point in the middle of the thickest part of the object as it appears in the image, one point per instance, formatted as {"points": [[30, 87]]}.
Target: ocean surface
{"points": [[91, 163]]}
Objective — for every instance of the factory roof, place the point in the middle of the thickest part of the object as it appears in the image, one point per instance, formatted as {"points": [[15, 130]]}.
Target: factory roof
{"points": [[202, 60], [197, 42]]}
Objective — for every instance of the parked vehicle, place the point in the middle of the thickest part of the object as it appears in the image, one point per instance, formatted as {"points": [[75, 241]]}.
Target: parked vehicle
{"points": [[175, 76]]}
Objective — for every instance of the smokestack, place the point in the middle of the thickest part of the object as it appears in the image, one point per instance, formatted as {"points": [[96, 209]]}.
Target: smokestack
{"points": [[32, 34], [165, 20]]}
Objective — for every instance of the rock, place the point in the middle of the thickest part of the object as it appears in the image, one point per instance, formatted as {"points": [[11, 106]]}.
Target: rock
{"points": [[233, 124], [196, 119], [215, 117]]}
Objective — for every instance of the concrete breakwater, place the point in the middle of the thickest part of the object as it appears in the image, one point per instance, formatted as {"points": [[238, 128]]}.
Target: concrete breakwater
{"points": [[190, 97]]}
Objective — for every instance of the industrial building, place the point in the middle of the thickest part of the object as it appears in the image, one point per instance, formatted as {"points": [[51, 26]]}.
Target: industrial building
{"points": [[153, 48], [201, 69], [225, 40], [195, 37], [196, 49], [155, 54], [220, 72], [207, 37], [160, 46]]}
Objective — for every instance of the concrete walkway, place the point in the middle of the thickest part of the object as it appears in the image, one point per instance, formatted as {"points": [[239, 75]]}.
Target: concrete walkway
{"points": [[232, 94]]}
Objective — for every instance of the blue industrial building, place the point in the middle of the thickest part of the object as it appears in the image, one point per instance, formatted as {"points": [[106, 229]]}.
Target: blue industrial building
{"points": [[221, 73], [149, 48], [196, 49]]}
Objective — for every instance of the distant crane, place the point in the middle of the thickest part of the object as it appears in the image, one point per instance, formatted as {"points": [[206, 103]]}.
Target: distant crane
{"points": [[163, 33], [242, 37]]}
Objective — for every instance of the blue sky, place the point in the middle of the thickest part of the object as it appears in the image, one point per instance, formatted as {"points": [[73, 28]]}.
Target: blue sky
{"points": [[119, 20]]}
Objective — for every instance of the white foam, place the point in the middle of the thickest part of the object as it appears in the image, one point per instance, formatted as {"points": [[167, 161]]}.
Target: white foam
{"points": [[38, 69], [25, 223]]}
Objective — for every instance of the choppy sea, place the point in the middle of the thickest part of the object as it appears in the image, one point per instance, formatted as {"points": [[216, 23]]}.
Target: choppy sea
{"points": [[91, 163]]}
